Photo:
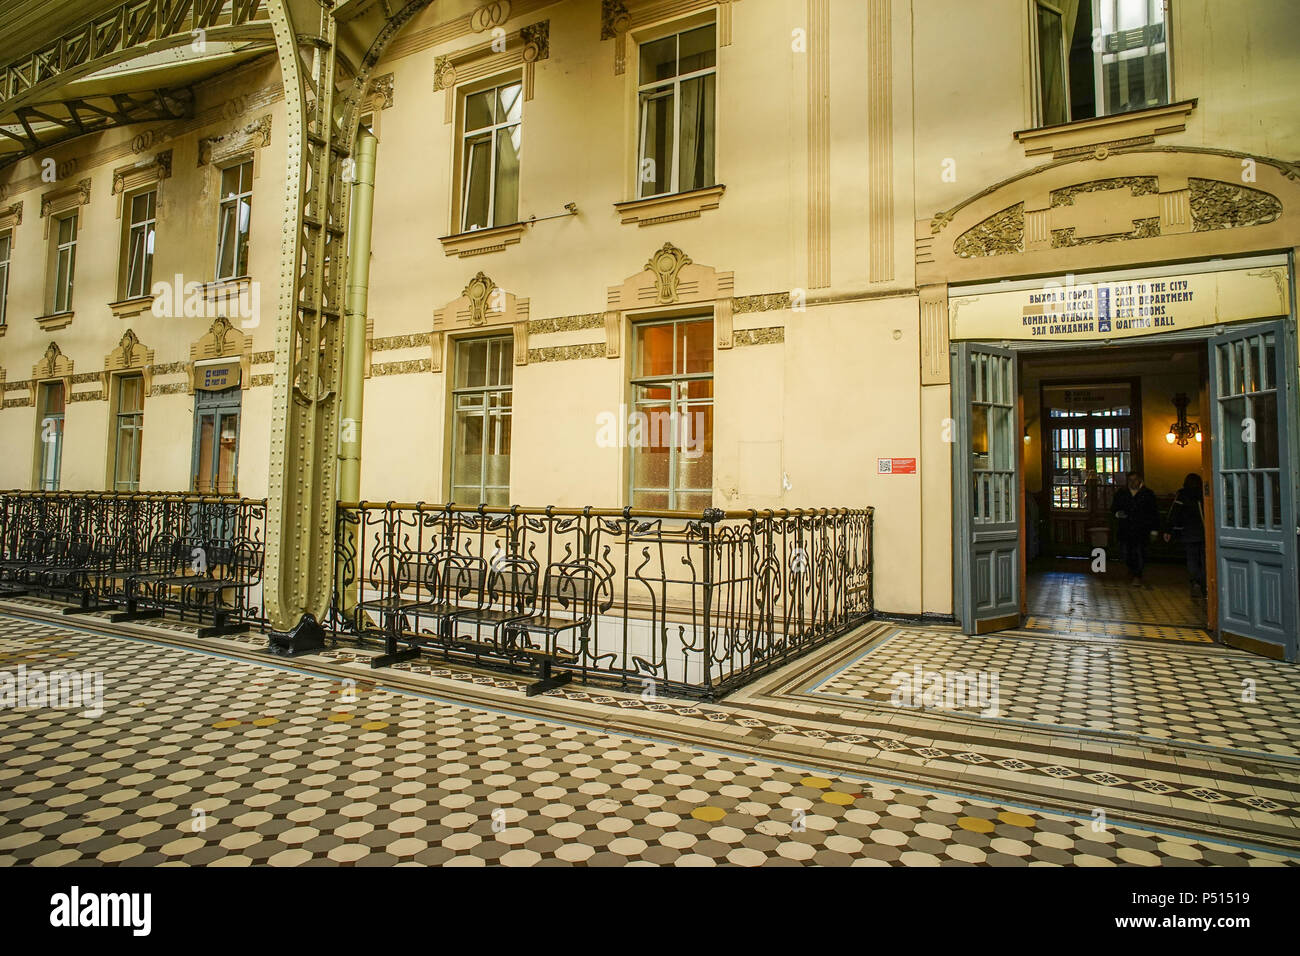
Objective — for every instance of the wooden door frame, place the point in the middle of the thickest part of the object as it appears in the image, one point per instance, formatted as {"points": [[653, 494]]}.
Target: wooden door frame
{"points": [[1208, 489]]}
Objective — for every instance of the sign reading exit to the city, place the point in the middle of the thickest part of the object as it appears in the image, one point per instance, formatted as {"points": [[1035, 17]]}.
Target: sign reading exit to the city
{"points": [[1085, 307]]}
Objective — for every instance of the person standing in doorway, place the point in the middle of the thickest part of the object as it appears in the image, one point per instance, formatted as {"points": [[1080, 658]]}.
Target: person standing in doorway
{"points": [[1187, 521], [1138, 517]]}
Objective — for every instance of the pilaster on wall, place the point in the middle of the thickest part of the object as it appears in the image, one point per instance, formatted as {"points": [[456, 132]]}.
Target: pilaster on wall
{"points": [[880, 123], [934, 335], [819, 144]]}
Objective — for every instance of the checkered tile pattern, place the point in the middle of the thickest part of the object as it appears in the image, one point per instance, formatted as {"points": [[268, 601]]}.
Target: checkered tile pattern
{"points": [[1147, 690], [201, 759], [1164, 605]]}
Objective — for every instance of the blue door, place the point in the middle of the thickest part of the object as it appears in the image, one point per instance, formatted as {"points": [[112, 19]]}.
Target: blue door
{"points": [[1252, 382], [986, 546]]}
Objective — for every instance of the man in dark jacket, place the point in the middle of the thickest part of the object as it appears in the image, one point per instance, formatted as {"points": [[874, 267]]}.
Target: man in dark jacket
{"points": [[1138, 517]]}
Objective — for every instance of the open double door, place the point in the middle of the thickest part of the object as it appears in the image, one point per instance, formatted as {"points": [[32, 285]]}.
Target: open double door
{"points": [[1252, 403]]}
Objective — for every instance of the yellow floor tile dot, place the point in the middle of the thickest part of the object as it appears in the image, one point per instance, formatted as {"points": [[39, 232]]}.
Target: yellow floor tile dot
{"points": [[340, 717], [842, 799], [266, 721], [1015, 819], [223, 724], [374, 725], [976, 824], [819, 783], [709, 814]]}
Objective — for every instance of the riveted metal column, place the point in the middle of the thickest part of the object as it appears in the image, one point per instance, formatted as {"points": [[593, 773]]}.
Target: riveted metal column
{"points": [[321, 114], [300, 502]]}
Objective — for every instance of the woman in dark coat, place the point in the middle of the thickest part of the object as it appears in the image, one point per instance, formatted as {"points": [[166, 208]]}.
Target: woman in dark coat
{"points": [[1187, 521]]}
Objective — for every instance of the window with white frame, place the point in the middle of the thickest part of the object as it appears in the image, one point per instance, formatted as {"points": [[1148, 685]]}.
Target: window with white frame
{"points": [[63, 267], [234, 218], [1099, 58], [141, 223], [670, 429], [676, 103], [49, 436], [128, 432], [6, 245], [482, 410], [492, 128]]}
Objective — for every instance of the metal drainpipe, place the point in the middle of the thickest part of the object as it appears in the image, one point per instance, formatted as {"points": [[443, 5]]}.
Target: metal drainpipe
{"points": [[354, 343]]}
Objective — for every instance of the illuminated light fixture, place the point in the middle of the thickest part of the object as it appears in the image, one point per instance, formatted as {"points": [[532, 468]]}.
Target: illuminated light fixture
{"points": [[1182, 431]]}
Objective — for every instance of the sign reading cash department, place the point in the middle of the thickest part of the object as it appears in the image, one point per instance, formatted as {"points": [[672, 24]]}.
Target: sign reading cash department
{"points": [[1072, 307]]}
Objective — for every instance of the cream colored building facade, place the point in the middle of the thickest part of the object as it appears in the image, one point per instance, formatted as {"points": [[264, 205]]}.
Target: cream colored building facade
{"points": [[871, 160]]}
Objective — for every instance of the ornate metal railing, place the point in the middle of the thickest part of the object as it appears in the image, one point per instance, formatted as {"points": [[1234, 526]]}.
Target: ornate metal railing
{"points": [[140, 554], [673, 603], [665, 602]]}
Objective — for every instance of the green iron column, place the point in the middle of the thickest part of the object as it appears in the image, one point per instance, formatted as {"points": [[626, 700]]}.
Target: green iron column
{"points": [[354, 348], [322, 103]]}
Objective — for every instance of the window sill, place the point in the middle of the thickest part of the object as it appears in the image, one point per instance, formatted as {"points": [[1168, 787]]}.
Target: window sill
{"points": [[476, 242], [1101, 133], [225, 288], [54, 321], [130, 308], [670, 208]]}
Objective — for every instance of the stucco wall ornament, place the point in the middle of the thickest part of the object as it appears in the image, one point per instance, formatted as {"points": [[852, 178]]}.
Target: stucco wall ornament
{"points": [[1220, 205], [489, 15], [479, 291], [537, 41], [998, 235], [666, 264], [614, 19]]}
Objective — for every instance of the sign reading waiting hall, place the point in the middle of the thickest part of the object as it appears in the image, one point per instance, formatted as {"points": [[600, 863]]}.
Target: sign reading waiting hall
{"points": [[1072, 307]]}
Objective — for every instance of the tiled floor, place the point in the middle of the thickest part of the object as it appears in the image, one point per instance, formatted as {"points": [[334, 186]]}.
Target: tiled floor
{"points": [[1144, 690], [1065, 597], [224, 756]]}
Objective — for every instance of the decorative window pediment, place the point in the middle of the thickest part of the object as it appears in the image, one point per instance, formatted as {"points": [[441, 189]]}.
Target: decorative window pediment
{"points": [[53, 365], [520, 49], [669, 278], [127, 179], [129, 356], [221, 149], [11, 216], [221, 341], [482, 305], [618, 18], [58, 201]]}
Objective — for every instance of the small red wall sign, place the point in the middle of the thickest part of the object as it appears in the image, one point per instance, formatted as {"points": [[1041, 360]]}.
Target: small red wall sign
{"points": [[896, 466]]}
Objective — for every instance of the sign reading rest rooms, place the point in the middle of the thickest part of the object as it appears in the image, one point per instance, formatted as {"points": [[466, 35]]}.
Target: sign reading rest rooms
{"points": [[1074, 308]]}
